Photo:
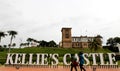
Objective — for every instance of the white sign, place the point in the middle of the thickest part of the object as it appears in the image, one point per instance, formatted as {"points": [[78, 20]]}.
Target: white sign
{"points": [[53, 59]]}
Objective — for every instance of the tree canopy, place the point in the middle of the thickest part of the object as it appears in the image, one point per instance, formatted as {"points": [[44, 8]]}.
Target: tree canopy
{"points": [[2, 34], [113, 41], [96, 43]]}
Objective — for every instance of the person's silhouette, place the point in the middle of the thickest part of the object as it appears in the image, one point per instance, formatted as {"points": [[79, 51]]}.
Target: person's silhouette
{"points": [[74, 63], [81, 60]]}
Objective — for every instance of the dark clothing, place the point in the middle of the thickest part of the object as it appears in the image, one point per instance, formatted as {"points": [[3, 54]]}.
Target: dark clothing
{"points": [[81, 60], [74, 64], [74, 68], [81, 67]]}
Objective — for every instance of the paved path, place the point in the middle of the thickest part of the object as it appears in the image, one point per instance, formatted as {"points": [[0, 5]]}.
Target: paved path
{"points": [[59, 68]]}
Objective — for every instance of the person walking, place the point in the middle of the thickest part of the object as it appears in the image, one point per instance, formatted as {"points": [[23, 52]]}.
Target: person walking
{"points": [[74, 63], [81, 60]]}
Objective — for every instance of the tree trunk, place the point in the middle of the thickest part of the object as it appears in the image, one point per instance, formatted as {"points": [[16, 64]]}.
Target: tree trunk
{"points": [[0, 39], [10, 44]]}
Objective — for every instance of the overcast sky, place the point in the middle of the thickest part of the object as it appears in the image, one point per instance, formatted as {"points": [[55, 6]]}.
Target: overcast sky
{"points": [[43, 19]]}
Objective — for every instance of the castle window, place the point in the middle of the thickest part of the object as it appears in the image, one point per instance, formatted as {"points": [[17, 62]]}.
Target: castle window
{"points": [[67, 34], [76, 44], [73, 39], [85, 44]]}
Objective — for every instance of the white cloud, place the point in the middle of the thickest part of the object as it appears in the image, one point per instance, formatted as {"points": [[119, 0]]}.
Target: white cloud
{"points": [[43, 19]]}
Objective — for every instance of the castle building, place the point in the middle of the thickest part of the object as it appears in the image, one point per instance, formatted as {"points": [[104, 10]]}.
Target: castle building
{"points": [[69, 41]]}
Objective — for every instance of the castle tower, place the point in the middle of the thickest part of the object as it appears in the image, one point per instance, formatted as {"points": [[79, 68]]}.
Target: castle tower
{"points": [[66, 37]]}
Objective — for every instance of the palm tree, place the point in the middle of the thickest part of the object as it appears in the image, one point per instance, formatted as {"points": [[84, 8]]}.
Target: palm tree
{"points": [[95, 44], [29, 40], [14, 44], [99, 40], [12, 34], [2, 34], [91, 44]]}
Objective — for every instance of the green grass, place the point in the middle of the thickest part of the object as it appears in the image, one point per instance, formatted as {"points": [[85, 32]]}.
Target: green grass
{"points": [[60, 51], [119, 62]]}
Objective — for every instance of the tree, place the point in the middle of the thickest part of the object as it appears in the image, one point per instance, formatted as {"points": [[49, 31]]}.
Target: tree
{"points": [[12, 34], [2, 34], [29, 40], [21, 44], [98, 39], [95, 44], [43, 43], [52, 43], [34, 42], [92, 44], [14, 44], [112, 42]]}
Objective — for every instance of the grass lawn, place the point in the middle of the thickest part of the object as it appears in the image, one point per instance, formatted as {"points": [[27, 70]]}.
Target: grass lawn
{"points": [[60, 51]]}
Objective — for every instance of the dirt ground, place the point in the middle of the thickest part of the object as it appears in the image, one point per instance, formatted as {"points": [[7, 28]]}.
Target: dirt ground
{"points": [[56, 68]]}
